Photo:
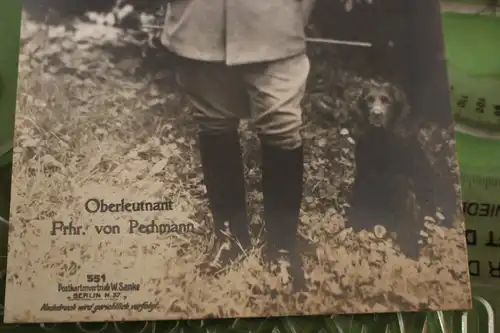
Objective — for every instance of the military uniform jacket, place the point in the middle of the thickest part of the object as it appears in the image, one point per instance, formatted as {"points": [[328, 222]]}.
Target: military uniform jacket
{"points": [[235, 31]]}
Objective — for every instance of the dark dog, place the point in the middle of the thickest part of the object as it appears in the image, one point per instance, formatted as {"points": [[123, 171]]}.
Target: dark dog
{"points": [[376, 105], [395, 186]]}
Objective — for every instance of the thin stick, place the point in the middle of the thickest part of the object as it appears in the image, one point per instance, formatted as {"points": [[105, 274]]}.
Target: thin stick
{"points": [[309, 39], [341, 42]]}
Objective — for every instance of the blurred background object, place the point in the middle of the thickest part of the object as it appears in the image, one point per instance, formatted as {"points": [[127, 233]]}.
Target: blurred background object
{"points": [[10, 15], [471, 35]]}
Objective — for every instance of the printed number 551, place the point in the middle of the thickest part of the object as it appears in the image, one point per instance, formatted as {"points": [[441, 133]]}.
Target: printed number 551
{"points": [[96, 278]]}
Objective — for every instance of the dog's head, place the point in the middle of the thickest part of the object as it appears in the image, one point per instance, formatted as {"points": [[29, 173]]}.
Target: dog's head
{"points": [[382, 105]]}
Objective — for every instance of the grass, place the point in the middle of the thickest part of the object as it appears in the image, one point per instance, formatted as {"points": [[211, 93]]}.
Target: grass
{"points": [[86, 126]]}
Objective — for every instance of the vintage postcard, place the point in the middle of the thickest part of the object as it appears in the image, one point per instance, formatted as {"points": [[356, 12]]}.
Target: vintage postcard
{"points": [[192, 159]]}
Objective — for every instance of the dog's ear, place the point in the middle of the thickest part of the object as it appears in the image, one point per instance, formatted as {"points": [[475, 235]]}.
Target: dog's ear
{"points": [[396, 94], [364, 91], [367, 86], [400, 102], [354, 96], [402, 111]]}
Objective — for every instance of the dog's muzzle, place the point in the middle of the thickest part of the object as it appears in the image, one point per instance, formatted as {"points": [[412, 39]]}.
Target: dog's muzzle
{"points": [[377, 117]]}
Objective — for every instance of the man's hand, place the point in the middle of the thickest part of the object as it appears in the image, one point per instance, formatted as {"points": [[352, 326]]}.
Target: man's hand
{"points": [[349, 4]]}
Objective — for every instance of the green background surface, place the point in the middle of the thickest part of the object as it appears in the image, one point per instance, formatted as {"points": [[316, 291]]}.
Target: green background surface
{"points": [[473, 57], [10, 13], [472, 42], [473, 53]]}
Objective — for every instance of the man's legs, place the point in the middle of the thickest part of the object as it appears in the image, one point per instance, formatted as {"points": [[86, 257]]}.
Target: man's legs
{"points": [[215, 94], [276, 91]]}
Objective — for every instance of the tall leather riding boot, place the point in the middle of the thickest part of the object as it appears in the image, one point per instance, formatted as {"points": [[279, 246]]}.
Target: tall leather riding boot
{"points": [[222, 164], [282, 184]]}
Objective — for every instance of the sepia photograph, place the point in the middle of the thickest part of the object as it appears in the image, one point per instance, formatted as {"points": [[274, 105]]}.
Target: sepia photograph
{"points": [[192, 159]]}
